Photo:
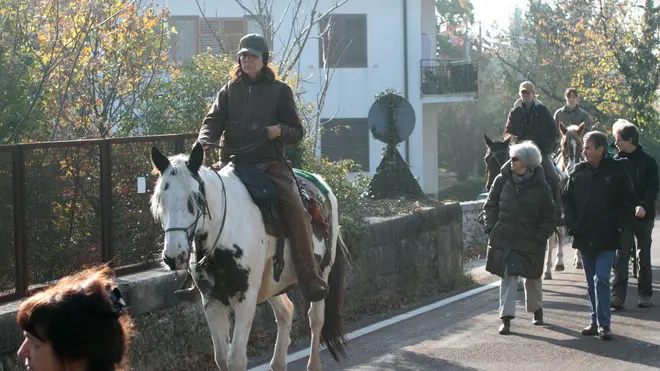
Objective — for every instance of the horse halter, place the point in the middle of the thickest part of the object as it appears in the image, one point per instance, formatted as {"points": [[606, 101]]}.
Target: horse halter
{"points": [[574, 155], [492, 155], [186, 230], [203, 210]]}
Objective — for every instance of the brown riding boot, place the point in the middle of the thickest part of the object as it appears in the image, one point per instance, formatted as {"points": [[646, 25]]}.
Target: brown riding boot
{"points": [[313, 286], [307, 269]]}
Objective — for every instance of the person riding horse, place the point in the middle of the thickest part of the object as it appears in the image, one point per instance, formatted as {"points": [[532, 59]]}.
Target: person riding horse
{"points": [[256, 110], [529, 119]]}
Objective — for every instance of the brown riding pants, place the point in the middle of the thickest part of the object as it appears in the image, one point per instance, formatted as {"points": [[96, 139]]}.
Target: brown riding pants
{"points": [[293, 213]]}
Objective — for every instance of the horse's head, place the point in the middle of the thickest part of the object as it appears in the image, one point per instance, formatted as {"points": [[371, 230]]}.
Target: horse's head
{"points": [[179, 202], [571, 145], [497, 154]]}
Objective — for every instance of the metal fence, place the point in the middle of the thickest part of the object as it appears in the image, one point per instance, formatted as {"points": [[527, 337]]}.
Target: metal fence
{"points": [[71, 204], [443, 77]]}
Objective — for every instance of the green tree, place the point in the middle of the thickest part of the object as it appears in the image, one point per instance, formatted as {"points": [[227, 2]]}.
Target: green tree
{"points": [[454, 18]]}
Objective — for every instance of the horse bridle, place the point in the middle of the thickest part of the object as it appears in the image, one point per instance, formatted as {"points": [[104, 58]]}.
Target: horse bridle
{"points": [[575, 156], [492, 155], [203, 209]]}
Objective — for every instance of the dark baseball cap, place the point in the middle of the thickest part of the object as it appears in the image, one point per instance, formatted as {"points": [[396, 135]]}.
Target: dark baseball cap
{"points": [[254, 44]]}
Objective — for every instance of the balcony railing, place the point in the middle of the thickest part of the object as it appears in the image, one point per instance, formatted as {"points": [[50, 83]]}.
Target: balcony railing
{"points": [[445, 77]]}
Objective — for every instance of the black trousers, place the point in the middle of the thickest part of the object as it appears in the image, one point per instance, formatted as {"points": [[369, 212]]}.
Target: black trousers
{"points": [[641, 230]]}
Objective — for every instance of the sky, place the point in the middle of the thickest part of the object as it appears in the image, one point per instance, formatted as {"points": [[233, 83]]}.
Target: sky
{"points": [[488, 11]]}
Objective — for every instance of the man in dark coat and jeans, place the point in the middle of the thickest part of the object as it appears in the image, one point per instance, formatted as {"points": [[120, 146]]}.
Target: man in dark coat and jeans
{"points": [[643, 172], [529, 119], [598, 202]]}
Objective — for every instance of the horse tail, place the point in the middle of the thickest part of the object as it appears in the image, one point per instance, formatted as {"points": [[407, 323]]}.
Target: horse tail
{"points": [[333, 332]]}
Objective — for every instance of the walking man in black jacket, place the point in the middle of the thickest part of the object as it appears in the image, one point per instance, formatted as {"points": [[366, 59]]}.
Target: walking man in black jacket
{"points": [[598, 203], [643, 171]]}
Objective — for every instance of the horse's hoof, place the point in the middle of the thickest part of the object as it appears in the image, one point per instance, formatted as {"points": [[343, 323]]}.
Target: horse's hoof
{"points": [[559, 268], [578, 265], [548, 276]]}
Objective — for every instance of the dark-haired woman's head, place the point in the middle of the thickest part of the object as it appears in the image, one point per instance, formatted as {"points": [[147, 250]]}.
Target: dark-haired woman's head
{"points": [[253, 56], [78, 324]]}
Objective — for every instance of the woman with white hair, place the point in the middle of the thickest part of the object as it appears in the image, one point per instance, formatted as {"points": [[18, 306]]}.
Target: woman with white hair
{"points": [[519, 218]]}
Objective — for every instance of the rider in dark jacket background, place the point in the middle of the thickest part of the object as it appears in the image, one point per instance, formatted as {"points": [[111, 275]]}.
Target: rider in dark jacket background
{"points": [[529, 119]]}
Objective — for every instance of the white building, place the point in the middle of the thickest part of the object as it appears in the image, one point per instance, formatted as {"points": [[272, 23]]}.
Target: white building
{"points": [[392, 46]]}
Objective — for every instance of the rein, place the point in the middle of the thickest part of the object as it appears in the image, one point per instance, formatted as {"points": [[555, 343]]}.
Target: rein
{"points": [[240, 150]]}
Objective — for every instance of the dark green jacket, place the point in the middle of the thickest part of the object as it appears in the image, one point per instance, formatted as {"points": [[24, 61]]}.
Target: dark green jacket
{"points": [[575, 116], [242, 110], [519, 222]]}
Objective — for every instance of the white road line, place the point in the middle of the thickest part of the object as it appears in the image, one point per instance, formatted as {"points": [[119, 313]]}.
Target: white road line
{"points": [[379, 325]]}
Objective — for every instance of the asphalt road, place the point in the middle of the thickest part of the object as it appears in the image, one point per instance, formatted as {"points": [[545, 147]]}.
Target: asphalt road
{"points": [[463, 335]]}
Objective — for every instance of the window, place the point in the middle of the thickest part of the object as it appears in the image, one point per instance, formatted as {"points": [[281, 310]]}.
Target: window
{"points": [[185, 42], [345, 41], [346, 138], [198, 34]]}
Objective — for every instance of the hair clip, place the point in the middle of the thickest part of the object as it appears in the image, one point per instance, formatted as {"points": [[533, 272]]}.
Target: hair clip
{"points": [[117, 303]]}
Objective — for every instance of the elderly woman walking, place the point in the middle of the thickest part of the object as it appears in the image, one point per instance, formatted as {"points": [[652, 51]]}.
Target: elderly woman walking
{"points": [[519, 218]]}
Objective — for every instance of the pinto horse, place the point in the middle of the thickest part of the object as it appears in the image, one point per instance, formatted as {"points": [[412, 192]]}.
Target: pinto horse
{"points": [[571, 154], [213, 227]]}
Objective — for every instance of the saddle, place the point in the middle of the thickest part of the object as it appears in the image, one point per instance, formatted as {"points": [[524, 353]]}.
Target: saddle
{"points": [[313, 194]]}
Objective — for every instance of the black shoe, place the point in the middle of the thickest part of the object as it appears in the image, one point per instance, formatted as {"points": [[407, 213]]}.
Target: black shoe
{"points": [[604, 333], [616, 303], [505, 327], [538, 317], [644, 302], [190, 294], [591, 330], [316, 290]]}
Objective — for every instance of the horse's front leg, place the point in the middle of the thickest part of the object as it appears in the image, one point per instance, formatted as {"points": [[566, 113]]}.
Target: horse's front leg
{"points": [[243, 316], [283, 310], [217, 317], [316, 315], [560, 253], [577, 259], [548, 260]]}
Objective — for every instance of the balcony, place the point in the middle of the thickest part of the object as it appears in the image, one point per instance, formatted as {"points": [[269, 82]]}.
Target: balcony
{"points": [[450, 79]]}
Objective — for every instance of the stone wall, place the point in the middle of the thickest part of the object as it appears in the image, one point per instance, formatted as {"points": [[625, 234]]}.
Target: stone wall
{"points": [[473, 233], [400, 258]]}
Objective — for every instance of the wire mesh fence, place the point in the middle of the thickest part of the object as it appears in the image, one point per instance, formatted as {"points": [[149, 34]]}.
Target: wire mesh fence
{"points": [[69, 205]]}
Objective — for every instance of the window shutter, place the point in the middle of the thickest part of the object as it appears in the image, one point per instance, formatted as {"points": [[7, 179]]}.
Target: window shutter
{"points": [[232, 32], [208, 29]]}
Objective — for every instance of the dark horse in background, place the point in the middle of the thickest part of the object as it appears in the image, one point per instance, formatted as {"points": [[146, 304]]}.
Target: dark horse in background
{"points": [[497, 154]]}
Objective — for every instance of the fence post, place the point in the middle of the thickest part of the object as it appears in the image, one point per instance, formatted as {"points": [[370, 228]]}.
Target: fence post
{"points": [[20, 234], [107, 251]]}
